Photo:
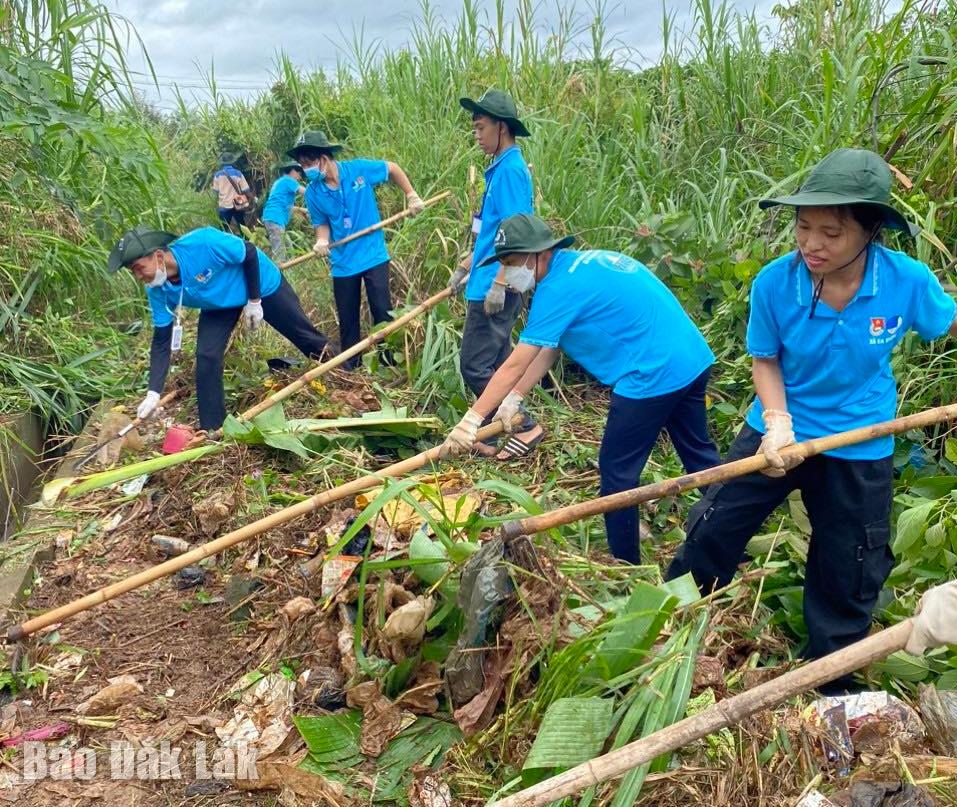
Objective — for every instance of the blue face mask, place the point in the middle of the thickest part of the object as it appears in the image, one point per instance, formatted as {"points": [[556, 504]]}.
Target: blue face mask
{"points": [[312, 174]]}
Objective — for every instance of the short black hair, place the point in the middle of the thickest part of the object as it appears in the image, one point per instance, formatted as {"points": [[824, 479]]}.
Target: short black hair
{"points": [[289, 169], [312, 152], [871, 218], [508, 125]]}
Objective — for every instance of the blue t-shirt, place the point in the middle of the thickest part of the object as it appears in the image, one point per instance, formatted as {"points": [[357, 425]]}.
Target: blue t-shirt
{"points": [[349, 208], [508, 190], [611, 314], [282, 196], [210, 275], [836, 367]]}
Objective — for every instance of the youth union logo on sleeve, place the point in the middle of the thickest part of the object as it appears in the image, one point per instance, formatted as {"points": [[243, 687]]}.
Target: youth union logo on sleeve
{"points": [[878, 324]]}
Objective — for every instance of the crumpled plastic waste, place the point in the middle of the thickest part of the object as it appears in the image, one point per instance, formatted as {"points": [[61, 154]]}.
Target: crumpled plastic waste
{"points": [[484, 588]]}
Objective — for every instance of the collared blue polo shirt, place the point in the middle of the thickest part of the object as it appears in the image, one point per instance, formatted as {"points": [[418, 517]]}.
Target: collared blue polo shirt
{"points": [[282, 196], [508, 190], [837, 366], [211, 276], [614, 317], [347, 209]]}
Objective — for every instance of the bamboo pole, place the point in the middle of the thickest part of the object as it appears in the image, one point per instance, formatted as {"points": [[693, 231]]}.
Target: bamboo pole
{"points": [[721, 473], [244, 533], [723, 714], [168, 398], [366, 231], [341, 358]]}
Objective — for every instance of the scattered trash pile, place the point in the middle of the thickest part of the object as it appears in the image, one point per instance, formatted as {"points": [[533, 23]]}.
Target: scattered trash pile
{"points": [[398, 651]]}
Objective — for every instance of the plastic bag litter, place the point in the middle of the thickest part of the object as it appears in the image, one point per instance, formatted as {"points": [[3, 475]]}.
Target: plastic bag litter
{"points": [[938, 708], [485, 586], [889, 794], [263, 717]]}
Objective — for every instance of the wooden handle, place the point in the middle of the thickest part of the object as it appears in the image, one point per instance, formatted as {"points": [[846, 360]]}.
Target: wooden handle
{"points": [[365, 231], [723, 714], [721, 473], [235, 537], [344, 356]]}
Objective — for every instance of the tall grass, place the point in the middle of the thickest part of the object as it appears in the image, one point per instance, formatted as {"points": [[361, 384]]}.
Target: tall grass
{"points": [[665, 162]]}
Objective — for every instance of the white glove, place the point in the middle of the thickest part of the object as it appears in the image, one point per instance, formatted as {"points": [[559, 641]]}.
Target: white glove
{"points": [[458, 279], [253, 314], [416, 205], [321, 248], [508, 409], [779, 433], [147, 405], [463, 436], [936, 621]]}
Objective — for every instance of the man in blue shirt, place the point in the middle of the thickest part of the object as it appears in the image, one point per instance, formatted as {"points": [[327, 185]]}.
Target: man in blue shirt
{"points": [[491, 307], [234, 195], [278, 208], [341, 200], [610, 314], [824, 322], [224, 277]]}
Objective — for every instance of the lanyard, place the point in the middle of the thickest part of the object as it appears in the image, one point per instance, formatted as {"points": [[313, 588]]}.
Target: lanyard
{"points": [[176, 342]]}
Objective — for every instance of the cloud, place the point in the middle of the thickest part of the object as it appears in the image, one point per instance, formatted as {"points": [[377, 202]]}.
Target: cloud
{"points": [[184, 38]]}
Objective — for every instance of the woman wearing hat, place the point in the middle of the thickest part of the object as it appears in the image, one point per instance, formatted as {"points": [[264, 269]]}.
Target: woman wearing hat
{"points": [[824, 321], [491, 308], [278, 208], [224, 277], [233, 193], [341, 200], [610, 314]]}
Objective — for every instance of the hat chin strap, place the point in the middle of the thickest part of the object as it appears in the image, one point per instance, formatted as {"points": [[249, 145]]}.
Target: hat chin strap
{"points": [[816, 296]]}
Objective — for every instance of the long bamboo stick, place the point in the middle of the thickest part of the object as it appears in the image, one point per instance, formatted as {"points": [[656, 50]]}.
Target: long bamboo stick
{"points": [[721, 473], [723, 714], [244, 533], [169, 397], [366, 230], [344, 356]]}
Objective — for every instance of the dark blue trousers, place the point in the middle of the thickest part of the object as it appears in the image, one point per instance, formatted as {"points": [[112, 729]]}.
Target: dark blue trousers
{"points": [[631, 432]]}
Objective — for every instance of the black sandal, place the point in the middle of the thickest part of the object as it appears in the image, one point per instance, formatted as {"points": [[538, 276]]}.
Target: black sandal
{"points": [[515, 449]]}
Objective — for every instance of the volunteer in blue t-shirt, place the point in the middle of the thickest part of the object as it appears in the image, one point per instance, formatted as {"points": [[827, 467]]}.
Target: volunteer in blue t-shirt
{"points": [[491, 307], [824, 322], [224, 277], [278, 208], [341, 201], [610, 314]]}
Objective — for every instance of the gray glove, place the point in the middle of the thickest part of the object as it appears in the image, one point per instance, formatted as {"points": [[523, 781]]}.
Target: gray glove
{"points": [[458, 279], [495, 299]]}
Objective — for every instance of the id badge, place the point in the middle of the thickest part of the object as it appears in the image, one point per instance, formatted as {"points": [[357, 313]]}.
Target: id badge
{"points": [[177, 341], [476, 224], [347, 222]]}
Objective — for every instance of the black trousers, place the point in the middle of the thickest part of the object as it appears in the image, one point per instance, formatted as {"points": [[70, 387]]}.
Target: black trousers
{"points": [[630, 434], [348, 294], [849, 506], [282, 310], [486, 343], [232, 219]]}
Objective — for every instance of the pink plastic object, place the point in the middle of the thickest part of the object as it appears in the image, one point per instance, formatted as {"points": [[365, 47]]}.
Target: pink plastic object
{"points": [[177, 438]]}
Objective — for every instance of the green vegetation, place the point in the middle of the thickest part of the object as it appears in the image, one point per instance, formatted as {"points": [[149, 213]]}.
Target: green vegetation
{"points": [[665, 163]]}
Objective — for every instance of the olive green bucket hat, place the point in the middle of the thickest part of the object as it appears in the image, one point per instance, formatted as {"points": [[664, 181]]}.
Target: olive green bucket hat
{"points": [[137, 243], [229, 157], [314, 140], [525, 233], [848, 177], [288, 165], [498, 105]]}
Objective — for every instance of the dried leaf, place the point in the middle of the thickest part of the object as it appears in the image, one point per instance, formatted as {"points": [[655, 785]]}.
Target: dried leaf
{"points": [[120, 690]]}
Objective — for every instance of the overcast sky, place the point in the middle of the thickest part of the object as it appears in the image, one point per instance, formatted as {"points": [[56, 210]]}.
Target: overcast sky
{"points": [[183, 37]]}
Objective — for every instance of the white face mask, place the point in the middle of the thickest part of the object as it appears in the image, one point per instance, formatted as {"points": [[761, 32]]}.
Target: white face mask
{"points": [[159, 278], [520, 278]]}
